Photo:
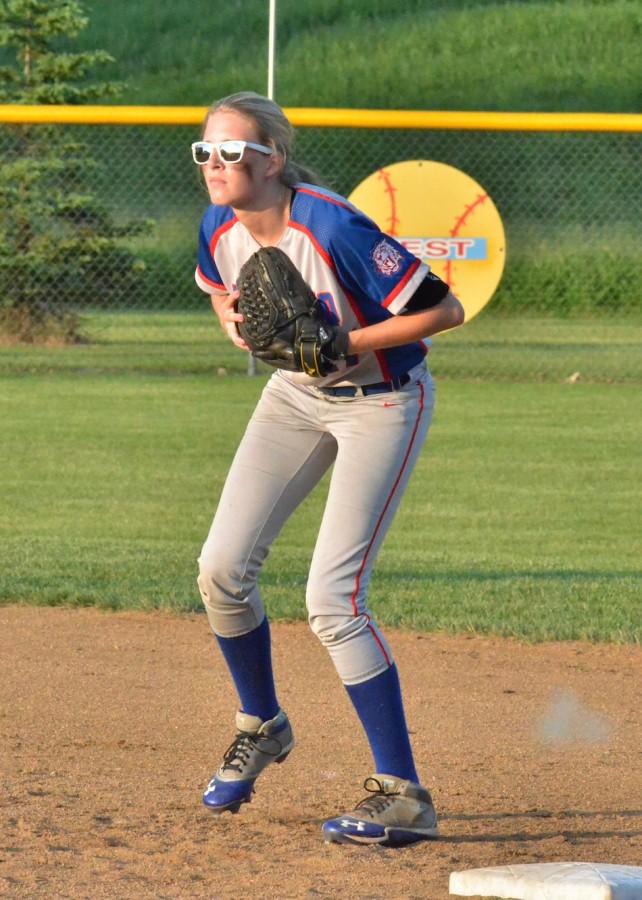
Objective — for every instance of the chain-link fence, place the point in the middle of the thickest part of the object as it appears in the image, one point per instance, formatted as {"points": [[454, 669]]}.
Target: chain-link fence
{"points": [[570, 204], [569, 201]]}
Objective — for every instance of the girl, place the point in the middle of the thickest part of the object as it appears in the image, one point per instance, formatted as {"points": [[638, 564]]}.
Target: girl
{"points": [[367, 420]]}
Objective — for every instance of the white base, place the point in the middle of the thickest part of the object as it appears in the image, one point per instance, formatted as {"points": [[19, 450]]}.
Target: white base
{"points": [[551, 881]]}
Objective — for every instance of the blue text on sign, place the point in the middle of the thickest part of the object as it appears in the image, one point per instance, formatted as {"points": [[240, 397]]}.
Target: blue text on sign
{"points": [[455, 248]]}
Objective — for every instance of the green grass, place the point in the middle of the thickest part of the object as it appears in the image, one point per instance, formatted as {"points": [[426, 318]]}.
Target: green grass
{"points": [[522, 518], [493, 347], [460, 54]]}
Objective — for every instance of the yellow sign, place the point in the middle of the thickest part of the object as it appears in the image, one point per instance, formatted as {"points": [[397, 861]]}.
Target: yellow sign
{"points": [[443, 217]]}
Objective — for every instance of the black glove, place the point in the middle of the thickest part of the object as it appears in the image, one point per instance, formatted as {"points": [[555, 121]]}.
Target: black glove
{"points": [[282, 322]]}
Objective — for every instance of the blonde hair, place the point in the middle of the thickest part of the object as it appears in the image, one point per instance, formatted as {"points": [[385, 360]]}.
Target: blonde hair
{"points": [[274, 130]]}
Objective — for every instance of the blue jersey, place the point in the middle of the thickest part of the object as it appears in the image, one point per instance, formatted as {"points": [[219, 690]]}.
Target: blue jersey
{"points": [[360, 275]]}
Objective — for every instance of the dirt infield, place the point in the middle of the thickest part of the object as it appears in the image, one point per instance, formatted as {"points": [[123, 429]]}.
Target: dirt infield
{"points": [[112, 724]]}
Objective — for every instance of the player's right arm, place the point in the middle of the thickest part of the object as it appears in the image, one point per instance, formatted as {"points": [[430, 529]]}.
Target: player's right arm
{"points": [[208, 277]]}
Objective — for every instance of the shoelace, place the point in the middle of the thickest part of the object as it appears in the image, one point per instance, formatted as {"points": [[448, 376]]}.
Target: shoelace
{"points": [[240, 750], [378, 799]]}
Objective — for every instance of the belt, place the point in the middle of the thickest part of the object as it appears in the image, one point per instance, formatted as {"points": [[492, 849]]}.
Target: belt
{"points": [[359, 390]]}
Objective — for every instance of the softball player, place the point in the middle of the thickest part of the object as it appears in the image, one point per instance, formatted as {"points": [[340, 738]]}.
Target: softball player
{"points": [[368, 421]]}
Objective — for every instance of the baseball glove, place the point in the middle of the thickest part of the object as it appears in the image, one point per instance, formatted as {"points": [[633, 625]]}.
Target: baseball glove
{"points": [[282, 322]]}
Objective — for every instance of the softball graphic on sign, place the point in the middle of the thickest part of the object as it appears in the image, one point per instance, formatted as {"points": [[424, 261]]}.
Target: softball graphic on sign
{"points": [[445, 218]]}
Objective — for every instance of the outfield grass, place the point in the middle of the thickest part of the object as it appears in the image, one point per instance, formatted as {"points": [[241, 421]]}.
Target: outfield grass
{"points": [[579, 55], [508, 348], [522, 518]]}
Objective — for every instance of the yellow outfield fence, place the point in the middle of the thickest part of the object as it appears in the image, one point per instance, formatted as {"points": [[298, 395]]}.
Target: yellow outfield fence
{"points": [[331, 118]]}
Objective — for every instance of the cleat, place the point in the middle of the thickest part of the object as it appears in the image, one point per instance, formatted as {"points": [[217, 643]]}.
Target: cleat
{"points": [[395, 813], [256, 745], [221, 807]]}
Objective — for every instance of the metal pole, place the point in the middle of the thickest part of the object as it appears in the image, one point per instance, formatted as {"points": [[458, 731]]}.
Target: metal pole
{"points": [[271, 49], [252, 368]]}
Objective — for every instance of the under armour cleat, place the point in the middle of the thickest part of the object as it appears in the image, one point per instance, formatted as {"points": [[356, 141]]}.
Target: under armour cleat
{"points": [[397, 812], [256, 745]]}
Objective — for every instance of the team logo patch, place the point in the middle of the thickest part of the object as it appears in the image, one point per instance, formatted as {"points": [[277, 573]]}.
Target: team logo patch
{"points": [[386, 258]]}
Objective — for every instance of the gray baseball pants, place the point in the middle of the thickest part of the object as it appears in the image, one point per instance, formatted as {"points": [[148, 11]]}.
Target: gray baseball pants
{"points": [[294, 436]]}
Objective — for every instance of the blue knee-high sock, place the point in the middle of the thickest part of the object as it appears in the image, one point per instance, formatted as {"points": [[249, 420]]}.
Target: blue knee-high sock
{"points": [[249, 659], [379, 705]]}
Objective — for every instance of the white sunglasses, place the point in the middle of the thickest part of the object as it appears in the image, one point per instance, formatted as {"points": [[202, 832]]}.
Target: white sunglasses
{"points": [[227, 151]]}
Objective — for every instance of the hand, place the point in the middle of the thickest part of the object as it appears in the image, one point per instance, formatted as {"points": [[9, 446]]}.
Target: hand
{"points": [[224, 305], [318, 346], [337, 345]]}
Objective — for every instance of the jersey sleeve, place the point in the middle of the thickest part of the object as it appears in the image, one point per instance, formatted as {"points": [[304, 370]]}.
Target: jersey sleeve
{"points": [[374, 266], [429, 294], [207, 275]]}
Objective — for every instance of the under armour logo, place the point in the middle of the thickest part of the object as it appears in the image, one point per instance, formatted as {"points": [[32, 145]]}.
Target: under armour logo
{"points": [[346, 823], [211, 787]]}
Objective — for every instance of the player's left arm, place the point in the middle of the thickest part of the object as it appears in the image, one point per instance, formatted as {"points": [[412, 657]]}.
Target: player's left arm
{"points": [[417, 321]]}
